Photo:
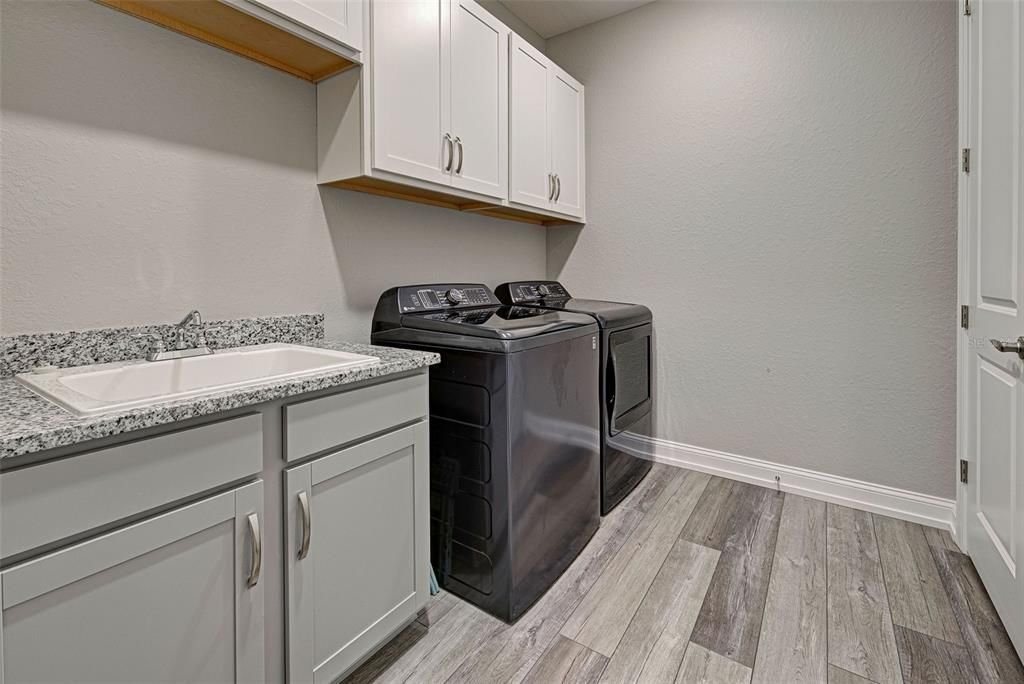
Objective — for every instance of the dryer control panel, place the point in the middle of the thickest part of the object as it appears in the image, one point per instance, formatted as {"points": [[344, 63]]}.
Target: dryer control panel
{"points": [[444, 296], [533, 291]]}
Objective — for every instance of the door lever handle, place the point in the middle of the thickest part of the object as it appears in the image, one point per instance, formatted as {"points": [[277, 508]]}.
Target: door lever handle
{"points": [[1012, 347]]}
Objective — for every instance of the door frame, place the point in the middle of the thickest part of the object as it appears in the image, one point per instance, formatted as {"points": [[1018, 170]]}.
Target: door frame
{"points": [[963, 264]]}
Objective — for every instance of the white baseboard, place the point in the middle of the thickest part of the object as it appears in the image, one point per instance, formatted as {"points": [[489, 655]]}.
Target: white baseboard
{"points": [[931, 511]]}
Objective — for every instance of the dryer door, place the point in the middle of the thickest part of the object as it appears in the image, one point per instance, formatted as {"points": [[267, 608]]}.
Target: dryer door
{"points": [[628, 386]]}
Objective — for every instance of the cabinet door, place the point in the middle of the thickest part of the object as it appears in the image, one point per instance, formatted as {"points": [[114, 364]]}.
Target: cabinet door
{"points": [[357, 551], [565, 110], [479, 87], [164, 600], [410, 98], [529, 138], [340, 20]]}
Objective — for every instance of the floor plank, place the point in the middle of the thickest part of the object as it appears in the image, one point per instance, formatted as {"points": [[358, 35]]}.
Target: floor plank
{"points": [[388, 655], [436, 608], [793, 646], [860, 631], [606, 611], [567, 661], [940, 538], [730, 619], [916, 596], [708, 526], [837, 675], [701, 665], [436, 655], [994, 657], [508, 655], [653, 646], [927, 660]]}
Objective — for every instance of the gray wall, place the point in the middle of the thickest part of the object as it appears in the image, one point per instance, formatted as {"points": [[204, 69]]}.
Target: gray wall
{"points": [[145, 173], [777, 182], [503, 14]]}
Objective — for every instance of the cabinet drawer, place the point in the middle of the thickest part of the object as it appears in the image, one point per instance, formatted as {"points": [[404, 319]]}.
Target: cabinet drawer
{"points": [[51, 501], [313, 426]]}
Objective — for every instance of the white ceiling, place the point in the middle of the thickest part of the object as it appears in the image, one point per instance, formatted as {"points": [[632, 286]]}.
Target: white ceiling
{"points": [[551, 17]]}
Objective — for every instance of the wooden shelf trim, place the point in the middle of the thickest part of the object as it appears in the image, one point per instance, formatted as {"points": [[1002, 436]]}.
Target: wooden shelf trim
{"points": [[383, 188], [220, 25]]}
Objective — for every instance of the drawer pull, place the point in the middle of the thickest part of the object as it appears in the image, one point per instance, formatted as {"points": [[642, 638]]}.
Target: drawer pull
{"points": [[307, 523], [256, 563]]}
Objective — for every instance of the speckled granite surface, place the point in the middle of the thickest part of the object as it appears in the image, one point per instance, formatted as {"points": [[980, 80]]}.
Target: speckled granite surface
{"points": [[21, 353], [29, 423]]}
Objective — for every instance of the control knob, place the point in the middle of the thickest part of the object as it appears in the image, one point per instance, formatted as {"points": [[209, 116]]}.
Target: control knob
{"points": [[544, 290], [454, 296]]}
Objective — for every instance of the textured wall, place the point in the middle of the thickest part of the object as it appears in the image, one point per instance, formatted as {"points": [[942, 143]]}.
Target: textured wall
{"points": [[777, 182], [145, 173]]}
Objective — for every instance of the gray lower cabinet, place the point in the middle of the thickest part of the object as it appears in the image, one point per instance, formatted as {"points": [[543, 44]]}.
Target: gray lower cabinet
{"points": [[173, 598], [357, 551]]}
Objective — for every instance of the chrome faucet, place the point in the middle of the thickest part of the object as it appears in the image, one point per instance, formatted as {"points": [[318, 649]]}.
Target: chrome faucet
{"points": [[157, 350], [193, 317]]}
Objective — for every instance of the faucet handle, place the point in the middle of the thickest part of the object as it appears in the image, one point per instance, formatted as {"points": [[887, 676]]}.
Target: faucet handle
{"points": [[201, 335], [156, 341]]}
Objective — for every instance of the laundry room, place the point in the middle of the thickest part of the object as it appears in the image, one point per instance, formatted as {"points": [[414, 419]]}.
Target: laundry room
{"points": [[511, 340]]}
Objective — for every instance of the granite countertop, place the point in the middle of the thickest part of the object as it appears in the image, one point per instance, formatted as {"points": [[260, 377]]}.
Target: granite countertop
{"points": [[29, 423]]}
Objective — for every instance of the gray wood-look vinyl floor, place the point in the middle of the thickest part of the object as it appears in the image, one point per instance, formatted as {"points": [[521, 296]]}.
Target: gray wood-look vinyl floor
{"points": [[699, 579]]}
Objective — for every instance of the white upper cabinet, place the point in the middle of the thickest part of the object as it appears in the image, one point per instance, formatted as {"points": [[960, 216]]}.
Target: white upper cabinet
{"points": [[546, 135], [440, 107], [428, 116], [530, 178], [340, 20], [411, 106], [479, 97], [565, 111], [334, 25], [453, 110]]}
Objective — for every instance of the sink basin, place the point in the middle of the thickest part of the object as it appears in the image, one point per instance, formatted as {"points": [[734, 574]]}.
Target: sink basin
{"points": [[105, 388]]}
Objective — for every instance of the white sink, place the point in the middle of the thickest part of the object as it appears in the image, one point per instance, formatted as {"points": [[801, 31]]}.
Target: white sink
{"points": [[109, 387]]}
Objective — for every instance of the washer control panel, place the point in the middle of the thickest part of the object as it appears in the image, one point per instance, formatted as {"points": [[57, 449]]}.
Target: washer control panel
{"points": [[445, 296], [536, 291]]}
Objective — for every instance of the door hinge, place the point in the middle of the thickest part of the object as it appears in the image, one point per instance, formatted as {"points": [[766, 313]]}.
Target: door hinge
{"points": [[967, 8], [963, 471], [965, 316], [965, 159]]}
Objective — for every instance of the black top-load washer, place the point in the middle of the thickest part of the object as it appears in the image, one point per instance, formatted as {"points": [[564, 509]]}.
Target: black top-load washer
{"points": [[514, 437], [625, 372]]}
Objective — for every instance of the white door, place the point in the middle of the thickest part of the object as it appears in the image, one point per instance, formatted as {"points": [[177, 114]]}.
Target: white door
{"points": [[530, 177], [565, 107], [411, 100], [340, 20], [479, 99], [994, 409]]}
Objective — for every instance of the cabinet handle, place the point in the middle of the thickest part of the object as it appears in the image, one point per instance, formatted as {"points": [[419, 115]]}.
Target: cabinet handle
{"points": [[256, 561], [307, 524], [451, 151], [551, 185], [458, 167], [558, 187]]}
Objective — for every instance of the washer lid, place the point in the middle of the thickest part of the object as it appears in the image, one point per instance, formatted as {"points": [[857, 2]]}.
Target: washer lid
{"points": [[551, 294], [608, 314], [502, 322]]}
